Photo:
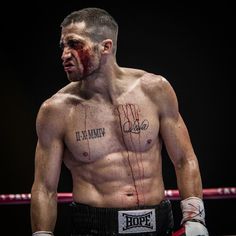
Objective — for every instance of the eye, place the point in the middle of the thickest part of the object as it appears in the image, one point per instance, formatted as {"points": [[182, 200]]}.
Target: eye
{"points": [[75, 44]]}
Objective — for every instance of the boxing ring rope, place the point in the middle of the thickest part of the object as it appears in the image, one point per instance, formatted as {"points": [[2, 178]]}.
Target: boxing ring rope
{"points": [[172, 194]]}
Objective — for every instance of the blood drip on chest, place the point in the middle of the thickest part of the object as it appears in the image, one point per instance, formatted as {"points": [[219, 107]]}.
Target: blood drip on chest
{"points": [[130, 114]]}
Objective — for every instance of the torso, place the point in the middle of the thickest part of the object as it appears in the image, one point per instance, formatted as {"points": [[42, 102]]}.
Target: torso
{"points": [[114, 150]]}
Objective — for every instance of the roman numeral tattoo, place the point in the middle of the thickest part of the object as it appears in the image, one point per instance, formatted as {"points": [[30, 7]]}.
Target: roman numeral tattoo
{"points": [[89, 134]]}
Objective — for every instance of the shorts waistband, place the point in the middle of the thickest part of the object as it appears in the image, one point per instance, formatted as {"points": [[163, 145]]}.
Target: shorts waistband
{"points": [[86, 218], [163, 204]]}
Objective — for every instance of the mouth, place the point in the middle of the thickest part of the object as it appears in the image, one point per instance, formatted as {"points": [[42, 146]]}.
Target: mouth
{"points": [[68, 66]]}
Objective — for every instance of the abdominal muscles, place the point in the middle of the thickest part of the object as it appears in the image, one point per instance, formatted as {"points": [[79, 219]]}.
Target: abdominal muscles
{"points": [[124, 179]]}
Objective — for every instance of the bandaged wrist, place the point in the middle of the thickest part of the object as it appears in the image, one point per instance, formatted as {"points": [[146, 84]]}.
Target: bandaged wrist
{"points": [[42, 233], [193, 209]]}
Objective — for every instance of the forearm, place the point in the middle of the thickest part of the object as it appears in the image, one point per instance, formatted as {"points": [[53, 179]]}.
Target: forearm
{"points": [[43, 210], [189, 179]]}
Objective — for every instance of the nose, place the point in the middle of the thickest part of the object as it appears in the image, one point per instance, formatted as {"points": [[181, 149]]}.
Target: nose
{"points": [[66, 54]]}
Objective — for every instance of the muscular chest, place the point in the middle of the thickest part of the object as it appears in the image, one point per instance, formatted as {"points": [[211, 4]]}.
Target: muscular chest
{"points": [[97, 130]]}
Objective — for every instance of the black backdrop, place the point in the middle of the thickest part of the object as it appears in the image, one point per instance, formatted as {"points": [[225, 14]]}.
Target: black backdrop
{"points": [[192, 46]]}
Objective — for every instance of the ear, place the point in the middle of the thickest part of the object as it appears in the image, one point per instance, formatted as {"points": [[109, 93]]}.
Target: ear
{"points": [[107, 45]]}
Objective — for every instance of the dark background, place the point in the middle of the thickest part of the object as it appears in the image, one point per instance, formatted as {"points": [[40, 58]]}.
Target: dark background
{"points": [[192, 46]]}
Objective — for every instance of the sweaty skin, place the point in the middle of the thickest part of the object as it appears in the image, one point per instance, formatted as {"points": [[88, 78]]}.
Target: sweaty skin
{"points": [[108, 126]]}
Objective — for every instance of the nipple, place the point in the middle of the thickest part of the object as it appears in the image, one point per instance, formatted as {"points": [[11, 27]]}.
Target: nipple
{"points": [[85, 154], [149, 141]]}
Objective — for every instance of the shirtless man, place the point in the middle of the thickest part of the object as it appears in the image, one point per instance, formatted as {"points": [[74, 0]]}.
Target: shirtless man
{"points": [[108, 125]]}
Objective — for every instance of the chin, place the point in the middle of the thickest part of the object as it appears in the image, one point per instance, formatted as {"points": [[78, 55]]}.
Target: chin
{"points": [[73, 78]]}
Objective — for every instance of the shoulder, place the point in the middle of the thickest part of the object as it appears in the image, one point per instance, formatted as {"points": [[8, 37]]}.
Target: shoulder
{"points": [[151, 84], [50, 116], [52, 112], [149, 81], [51, 106], [156, 86], [59, 102], [133, 73], [160, 91], [55, 104]]}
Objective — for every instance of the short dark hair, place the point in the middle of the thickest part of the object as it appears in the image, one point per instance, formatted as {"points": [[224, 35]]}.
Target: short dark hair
{"points": [[101, 24]]}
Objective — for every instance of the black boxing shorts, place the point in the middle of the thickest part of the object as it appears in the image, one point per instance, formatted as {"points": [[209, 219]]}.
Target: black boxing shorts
{"points": [[154, 220]]}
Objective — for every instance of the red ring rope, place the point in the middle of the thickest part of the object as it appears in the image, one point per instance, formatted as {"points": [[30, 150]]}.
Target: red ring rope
{"points": [[209, 193]]}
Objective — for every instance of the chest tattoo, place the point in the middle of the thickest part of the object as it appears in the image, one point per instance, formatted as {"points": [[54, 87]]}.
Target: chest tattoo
{"points": [[89, 134], [129, 116], [135, 126]]}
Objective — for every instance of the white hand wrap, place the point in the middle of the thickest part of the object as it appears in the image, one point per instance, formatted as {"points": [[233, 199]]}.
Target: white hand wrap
{"points": [[193, 209], [42, 233], [195, 229]]}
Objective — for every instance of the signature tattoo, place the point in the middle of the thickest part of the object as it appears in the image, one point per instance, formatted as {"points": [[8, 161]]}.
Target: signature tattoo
{"points": [[89, 134], [135, 126]]}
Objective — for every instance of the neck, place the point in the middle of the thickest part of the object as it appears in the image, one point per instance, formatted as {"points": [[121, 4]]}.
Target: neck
{"points": [[103, 83]]}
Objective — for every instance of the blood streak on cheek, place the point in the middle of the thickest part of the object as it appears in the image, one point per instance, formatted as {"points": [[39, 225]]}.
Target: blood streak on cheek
{"points": [[84, 56]]}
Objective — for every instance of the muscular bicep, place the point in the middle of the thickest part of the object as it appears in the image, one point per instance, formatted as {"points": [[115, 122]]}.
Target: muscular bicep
{"points": [[49, 150], [172, 127], [176, 139], [48, 165]]}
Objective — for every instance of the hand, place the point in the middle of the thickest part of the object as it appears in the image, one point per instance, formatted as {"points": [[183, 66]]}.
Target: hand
{"points": [[191, 228]]}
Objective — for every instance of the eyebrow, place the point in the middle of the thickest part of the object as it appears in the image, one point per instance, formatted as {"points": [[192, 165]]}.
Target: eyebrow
{"points": [[72, 37], [71, 40]]}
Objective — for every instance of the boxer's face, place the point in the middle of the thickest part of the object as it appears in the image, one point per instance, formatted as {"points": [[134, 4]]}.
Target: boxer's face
{"points": [[80, 56]]}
